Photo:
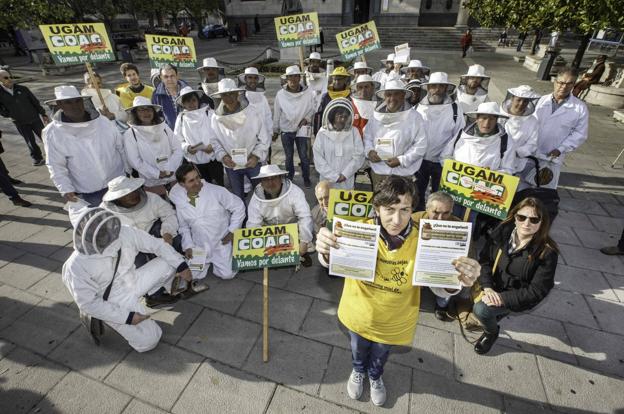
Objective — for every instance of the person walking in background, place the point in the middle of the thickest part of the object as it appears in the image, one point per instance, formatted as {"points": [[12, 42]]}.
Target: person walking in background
{"points": [[466, 42], [18, 103]]}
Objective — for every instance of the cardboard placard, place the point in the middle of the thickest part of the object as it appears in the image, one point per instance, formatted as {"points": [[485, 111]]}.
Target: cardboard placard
{"points": [[402, 54], [298, 30], [350, 205], [358, 40], [77, 43], [480, 189], [267, 246], [176, 50]]}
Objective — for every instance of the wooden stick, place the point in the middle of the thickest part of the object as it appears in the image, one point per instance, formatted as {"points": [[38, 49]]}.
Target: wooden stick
{"points": [[265, 316], [301, 57], [364, 59], [95, 85], [467, 214]]}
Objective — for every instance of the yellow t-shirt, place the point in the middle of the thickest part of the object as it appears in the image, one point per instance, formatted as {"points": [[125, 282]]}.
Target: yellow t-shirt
{"points": [[385, 310], [126, 95]]}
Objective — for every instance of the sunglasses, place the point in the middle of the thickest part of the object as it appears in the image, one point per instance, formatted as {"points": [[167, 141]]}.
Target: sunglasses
{"points": [[534, 220], [6, 77]]}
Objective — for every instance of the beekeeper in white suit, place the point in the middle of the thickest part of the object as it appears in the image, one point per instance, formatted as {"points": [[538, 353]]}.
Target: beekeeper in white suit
{"points": [[338, 148], [103, 259], [395, 140], [473, 88], [278, 201], [253, 83], [521, 126], [381, 75], [208, 215]]}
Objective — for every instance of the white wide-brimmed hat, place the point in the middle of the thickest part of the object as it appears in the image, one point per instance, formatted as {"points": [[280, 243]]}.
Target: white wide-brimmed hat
{"points": [[251, 71], [65, 92], [187, 90], [292, 70], [440, 78], [390, 58], [121, 186], [476, 71], [315, 56], [487, 108], [360, 65], [143, 101], [367, 78], [524, 91], [269, 170], [415, 64], [395, 84], [226, 85], [209, 62]]}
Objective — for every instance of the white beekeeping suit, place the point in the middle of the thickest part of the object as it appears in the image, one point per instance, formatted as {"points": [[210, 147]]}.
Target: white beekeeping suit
{"points": [[338, 148], [100, 241], [193, 130], [475, 76], [256, 96]]}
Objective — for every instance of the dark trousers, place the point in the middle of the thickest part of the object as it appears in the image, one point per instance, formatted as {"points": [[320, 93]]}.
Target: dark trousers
{"points": [[143, 258], [289, 139], [212, 172], [489, 316], [465, 50], [368, 356], [93, 199], [5, 182], [28, 131], [429, 170], [621, 242]]}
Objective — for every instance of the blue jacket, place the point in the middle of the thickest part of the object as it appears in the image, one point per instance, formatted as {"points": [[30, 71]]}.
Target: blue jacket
{"points": [[162, 98]]}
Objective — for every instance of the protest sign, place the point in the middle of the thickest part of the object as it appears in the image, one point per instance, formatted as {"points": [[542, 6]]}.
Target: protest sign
{"points": [[402, 54], [298, 30], [178, 51], [350, 205], [77, 43], [479, 189], [358, 40]]}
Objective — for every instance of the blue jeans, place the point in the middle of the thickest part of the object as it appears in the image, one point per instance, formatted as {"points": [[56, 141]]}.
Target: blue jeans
{"points": [[428, 170], [237, 179], [288, 142], [489, 315], [368, 356], [94, 199]]}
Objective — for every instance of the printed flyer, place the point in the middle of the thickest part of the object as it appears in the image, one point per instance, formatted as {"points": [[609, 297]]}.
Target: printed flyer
{"points": [[357, 256]]}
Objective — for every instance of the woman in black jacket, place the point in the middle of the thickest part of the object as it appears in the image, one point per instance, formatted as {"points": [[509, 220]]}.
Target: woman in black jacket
{"points": [[518, 266]]}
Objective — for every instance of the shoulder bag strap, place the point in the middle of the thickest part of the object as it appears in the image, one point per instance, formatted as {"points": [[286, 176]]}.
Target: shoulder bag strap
{"points": [[110, 285]]}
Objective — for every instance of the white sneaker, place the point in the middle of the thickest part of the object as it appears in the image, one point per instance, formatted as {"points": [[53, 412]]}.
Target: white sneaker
{"points": [[378, 391], [355, 385]]}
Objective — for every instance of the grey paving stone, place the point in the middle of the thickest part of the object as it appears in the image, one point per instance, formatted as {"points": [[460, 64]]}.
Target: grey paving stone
{"points": [[617, 285], [224, 295], [221, 337], [26, 378], [517, 406], [5, 348], [614, 210], [322, 324], [564, 235], [62, 254], [597, 350], [16, 231], [80, 353], [139, 407], [600, 196], [566, 307], [177, 320], [570, 388], [595, 239], [43, 327], [427, 318], [52, 288], [582, 206], [591, 259], [438, 394], [503, 369], [158, 376], [76, 394], [539, 336], [609, 314], [224, 390], [397, 380], [14, 303], [278, 277], [286, 310], [27, 270], [608, 224], [8, 253], [431, 351], [293, 361], [313, 281], [587, 282], [573, 220], [287, 401], [47, 241]]}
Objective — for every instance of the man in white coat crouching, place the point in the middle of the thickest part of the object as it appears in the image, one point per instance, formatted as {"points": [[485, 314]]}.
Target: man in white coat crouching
{"points": [[208, 215], [104, 282]]}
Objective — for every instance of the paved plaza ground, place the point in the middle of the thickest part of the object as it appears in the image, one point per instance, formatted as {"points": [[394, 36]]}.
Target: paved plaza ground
{"points": [[567, 355]]}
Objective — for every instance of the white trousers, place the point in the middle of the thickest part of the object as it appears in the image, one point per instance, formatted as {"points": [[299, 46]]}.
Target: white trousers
{"points": [[127, 293], [221, 260]]}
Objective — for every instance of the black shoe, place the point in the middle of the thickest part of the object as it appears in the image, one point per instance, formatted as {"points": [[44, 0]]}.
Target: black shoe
{"points": [[19, 201], [306, 260], [441, 313], [15, 181], [38, 163], [161, 297], [485, 342], [307, 184]]}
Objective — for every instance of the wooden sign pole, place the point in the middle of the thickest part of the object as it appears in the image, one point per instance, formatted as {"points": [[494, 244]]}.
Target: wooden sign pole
{"points": [[95, 85], [265, 315], [364, 59], [301, 57], [467, 214]]}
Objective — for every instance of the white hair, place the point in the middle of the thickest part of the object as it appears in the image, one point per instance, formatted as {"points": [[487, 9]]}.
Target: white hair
{"points": [[440, 197]]}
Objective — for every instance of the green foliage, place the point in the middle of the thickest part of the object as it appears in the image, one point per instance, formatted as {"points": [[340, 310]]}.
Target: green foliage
{"points": [[25, 14]]}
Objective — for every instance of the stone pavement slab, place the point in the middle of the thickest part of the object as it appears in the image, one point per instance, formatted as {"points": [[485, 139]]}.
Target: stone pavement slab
{"points": [[607, 224], [437, 394], [8, 253], [287, 401], [47, 241], [591, 259], [574, 220], [614, 210], [584, 281], [517, 406], [286, 310], [158, 376], [597, 350], [617, 285], [314, 281], [322, 324], [595, 239], [609, 314], [177, 320], [14, 303], [76, 394], [397, 380], [52, 288], [278, 277], [224, 390], [293, 361], [224, 295], [431, 351], [221, 337], [564, 235], [26, 378], [139, 407], [27, 270], [566, 307], [589, 207]]}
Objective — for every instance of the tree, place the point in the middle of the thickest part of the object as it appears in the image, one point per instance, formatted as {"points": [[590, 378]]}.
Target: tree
{"points": [[580, 16], [20, 14]]}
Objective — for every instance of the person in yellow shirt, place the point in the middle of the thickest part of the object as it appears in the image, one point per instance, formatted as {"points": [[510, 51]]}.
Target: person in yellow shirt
{"points": [[134, 87], [384, 312]]}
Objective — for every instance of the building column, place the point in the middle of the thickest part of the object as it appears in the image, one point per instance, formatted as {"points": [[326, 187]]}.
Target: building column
{"points": [[462, 16]]}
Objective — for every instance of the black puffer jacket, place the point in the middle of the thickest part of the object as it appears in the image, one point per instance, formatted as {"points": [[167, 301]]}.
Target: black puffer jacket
{"points": [[522, 279]]}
